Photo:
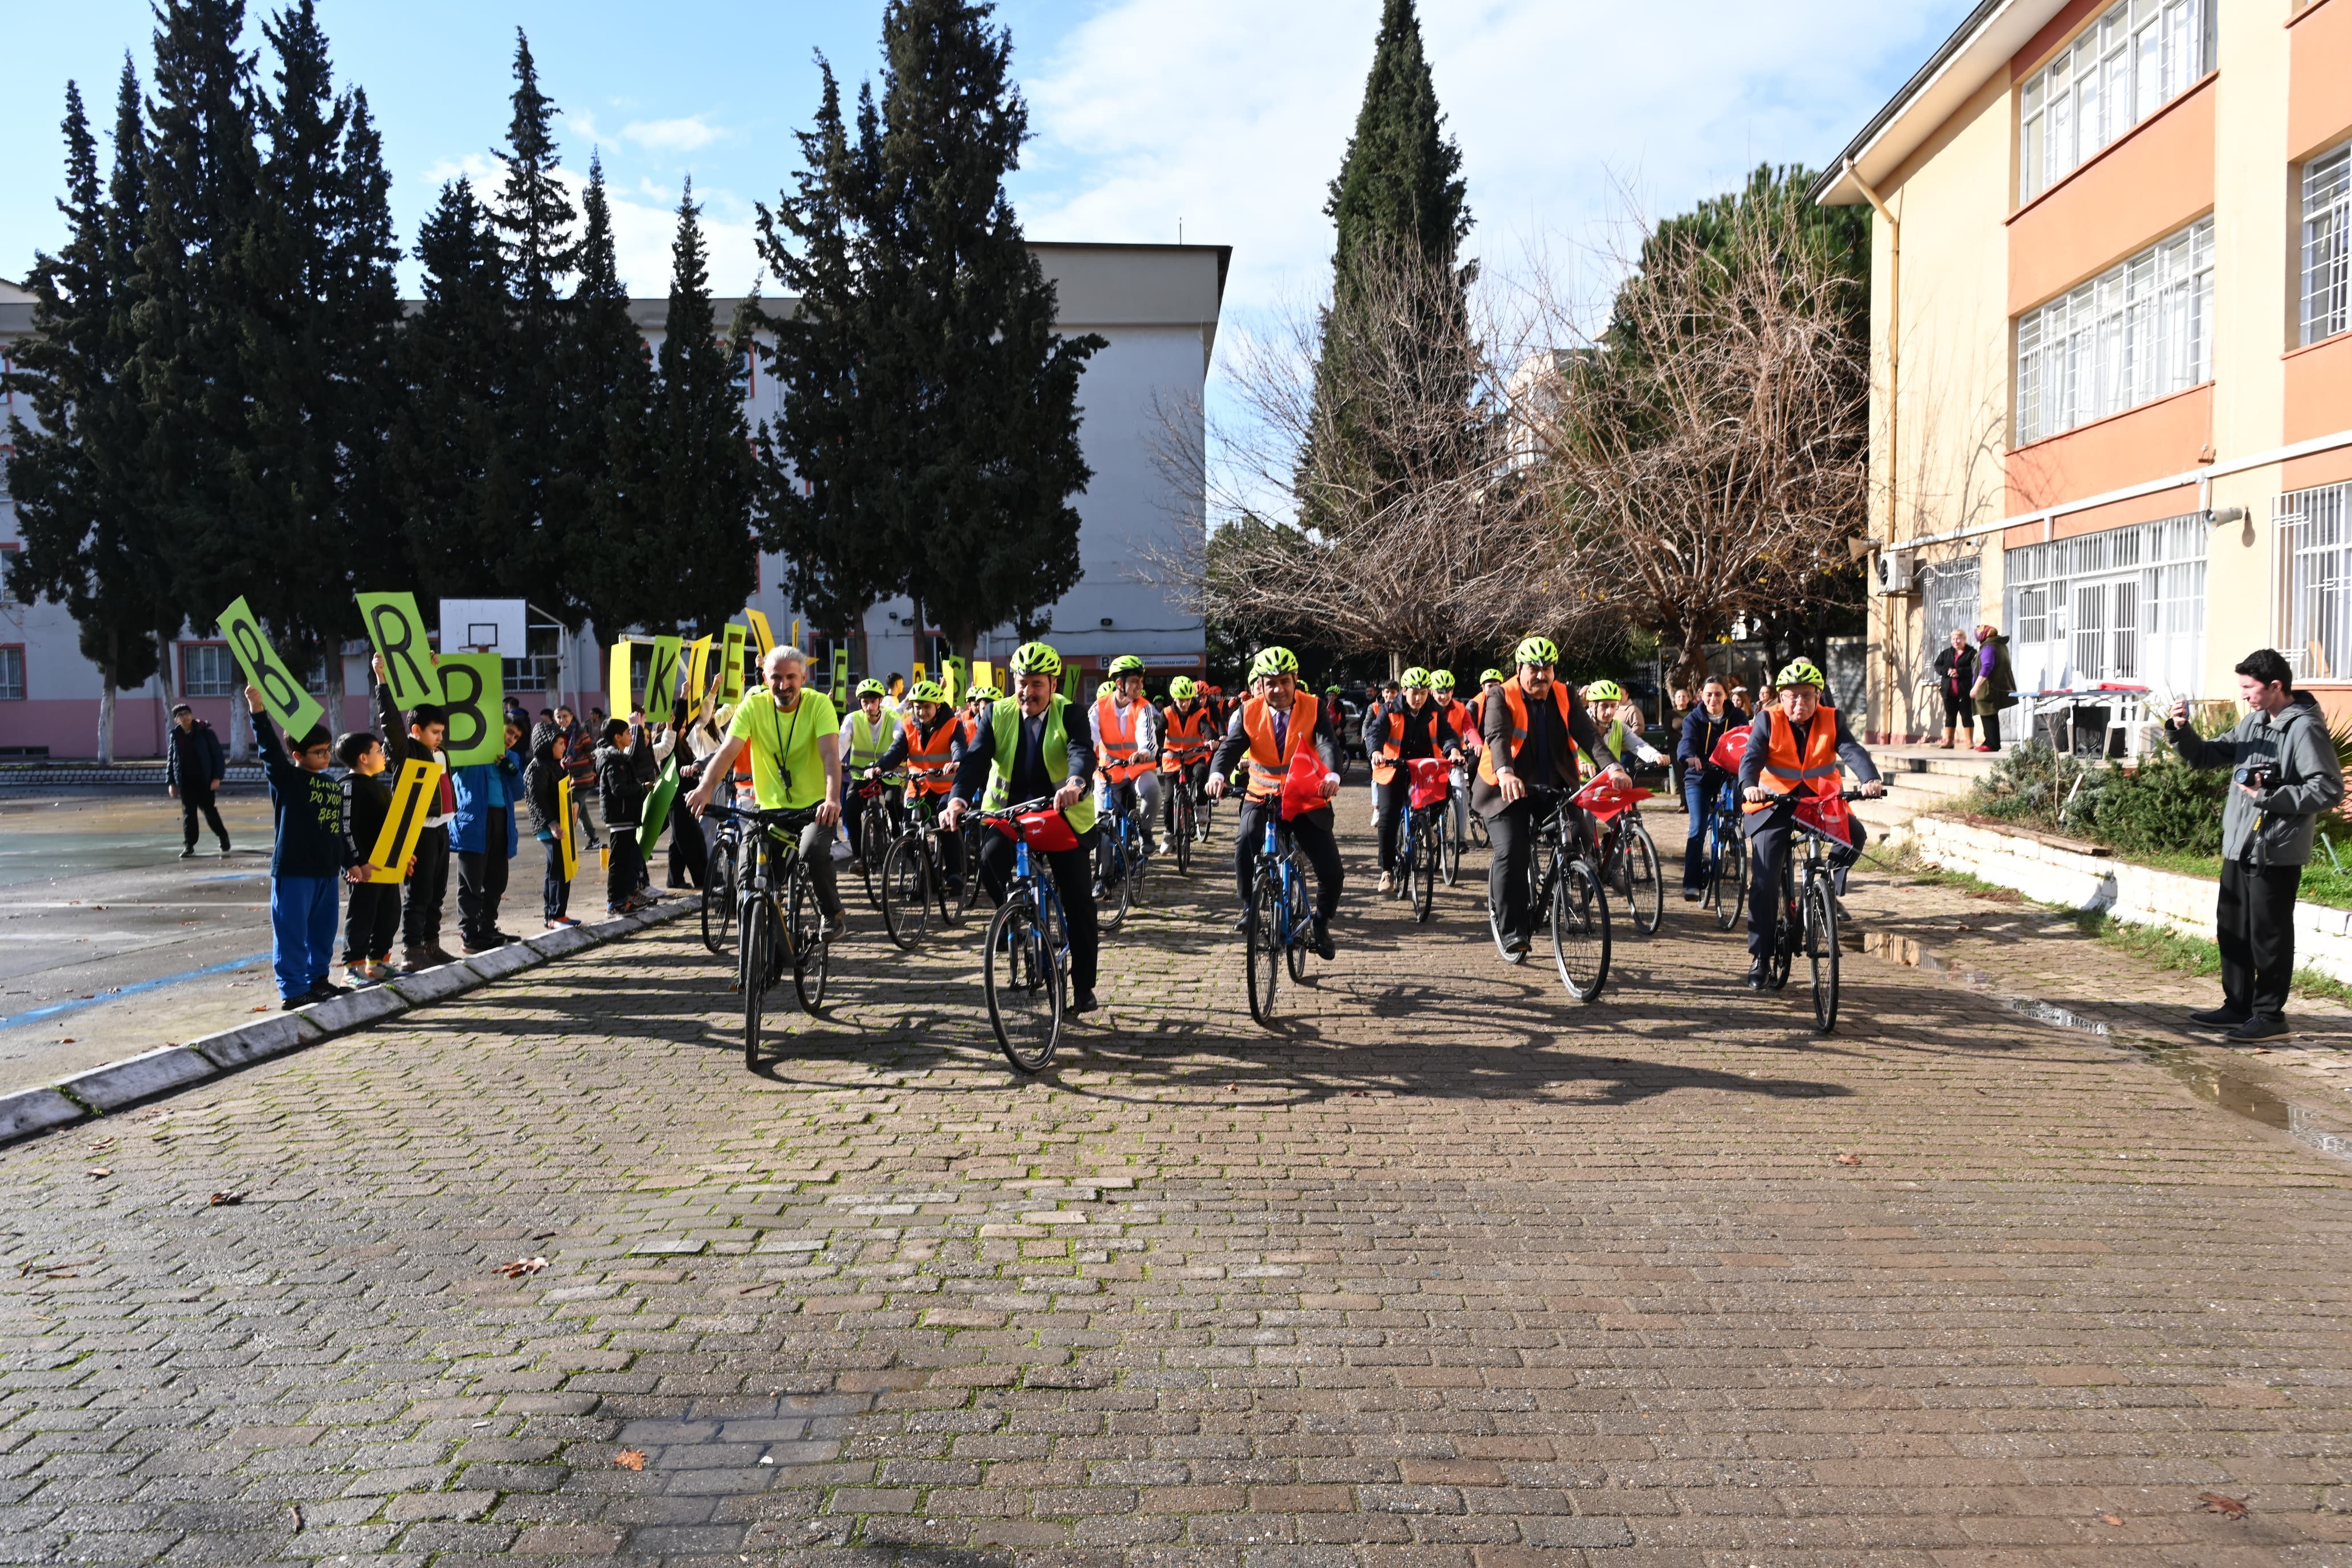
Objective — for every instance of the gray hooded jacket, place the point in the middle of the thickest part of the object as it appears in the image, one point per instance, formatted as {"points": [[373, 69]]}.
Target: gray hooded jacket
{"points": [[2276, 829]]}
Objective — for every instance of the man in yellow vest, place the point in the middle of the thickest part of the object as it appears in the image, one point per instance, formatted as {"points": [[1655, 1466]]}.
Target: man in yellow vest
{"points": [[1027, 748], [866, 736], [1533, 728], [1800, 746]]}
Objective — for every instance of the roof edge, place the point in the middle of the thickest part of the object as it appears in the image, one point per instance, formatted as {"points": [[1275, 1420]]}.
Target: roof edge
{"points": [[1973, 28]]}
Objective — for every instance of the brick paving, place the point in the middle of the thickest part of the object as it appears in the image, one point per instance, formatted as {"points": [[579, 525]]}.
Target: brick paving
{"points": [[1451, 1271]]}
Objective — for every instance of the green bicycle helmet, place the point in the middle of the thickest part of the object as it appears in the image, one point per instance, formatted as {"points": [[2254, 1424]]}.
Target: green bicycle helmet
{"points": [[1108, 688], [1441, 679], [927, 692], [1604, 691], [1273, 661], [866, 688], [1037, 658], [1182, 690], [1490, 677], [1414, 679], [1536, 650], [1801, 672], [1125, 664], [984, 694]]}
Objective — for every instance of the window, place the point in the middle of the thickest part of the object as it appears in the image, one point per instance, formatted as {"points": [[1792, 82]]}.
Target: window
{"points": [[1950, 593], [2140, 331], [742, 374], [207, 671], [7, 559], [11, 673], [2326, 256], [2126, 604], [2137, 57], [2316, 559]]}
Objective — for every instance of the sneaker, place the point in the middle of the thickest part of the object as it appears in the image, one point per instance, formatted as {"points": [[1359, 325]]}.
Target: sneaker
{"points": [[223, 848], [486, 944], [189, 853], [382, 969], [1387, 881], [2255, 1029], [287, 1003], [1081, 1002], [1324, 948], [1241, 925], [416, 960], [357, 973], [2218, 1018], [562, 922], [1756, 969], [1692, 895], [1987, 748], [327, 990]]}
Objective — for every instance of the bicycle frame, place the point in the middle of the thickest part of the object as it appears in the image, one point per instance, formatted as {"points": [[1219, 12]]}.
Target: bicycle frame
{"points": [[1277, 852]]}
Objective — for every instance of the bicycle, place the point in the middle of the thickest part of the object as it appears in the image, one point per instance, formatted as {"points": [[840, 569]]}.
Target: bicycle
{"points": [[1185, 815], [1026, 959], [1727, 857], [1455, 843], [1420, 837], [1629, 864], [877, 829], [1808, 918], [1279, 929], [771, 938], [914, 871], [1563, 881], [1122, 852], [718, 889]]}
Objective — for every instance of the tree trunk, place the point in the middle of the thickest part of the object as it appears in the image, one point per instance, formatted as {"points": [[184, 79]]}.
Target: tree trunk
{"points": [[106, 718], [335, 681], [240, 729]]}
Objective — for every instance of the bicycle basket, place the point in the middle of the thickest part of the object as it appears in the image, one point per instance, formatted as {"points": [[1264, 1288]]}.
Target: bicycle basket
{"points": [[1605, 800], [1430, 785], [1729, 752], [1827, 815], [1048, 832]]}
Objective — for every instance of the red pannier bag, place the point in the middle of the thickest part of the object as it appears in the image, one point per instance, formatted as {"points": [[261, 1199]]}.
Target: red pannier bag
{"points": [[1047, 832]]}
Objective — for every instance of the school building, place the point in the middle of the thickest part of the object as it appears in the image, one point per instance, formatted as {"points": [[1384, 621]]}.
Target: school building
{"points": [[1156, 305], [2111, 312]]}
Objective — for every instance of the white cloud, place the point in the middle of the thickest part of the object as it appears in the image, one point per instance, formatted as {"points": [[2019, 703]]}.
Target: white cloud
{"points": [[685, 135]]}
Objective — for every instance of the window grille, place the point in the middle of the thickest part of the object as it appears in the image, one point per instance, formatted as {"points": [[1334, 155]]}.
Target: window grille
{"points": [[2140, 331], [2123, 605], [2137, 57], [2326, 252], [12, 674], [207, 669], [2316, 558]]}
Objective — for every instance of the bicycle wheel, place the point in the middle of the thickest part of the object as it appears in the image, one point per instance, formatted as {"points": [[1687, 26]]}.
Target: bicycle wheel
{"points": [[874, 840], [1181, 823], [751, 978], [1302, 926], [971, 888], [1821, 954], [718, 896], [907, 891], [1449, 850], [1020, 974], [1788, 935], [1113, 871], [1579, 930], [1644, 889], [950, 901], [1139, 856], [1263, 946], [1425, 857], [811, 953], [1730, 889]]}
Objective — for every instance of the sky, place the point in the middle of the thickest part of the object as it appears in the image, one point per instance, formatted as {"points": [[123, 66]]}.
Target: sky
{"points": [[1223, 119]]}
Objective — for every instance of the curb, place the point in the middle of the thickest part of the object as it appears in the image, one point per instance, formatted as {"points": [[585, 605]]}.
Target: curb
{"points": [[102, 1091]]}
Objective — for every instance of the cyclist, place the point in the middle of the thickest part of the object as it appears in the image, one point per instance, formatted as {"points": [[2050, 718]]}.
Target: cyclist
{"points": [[1622, 716], [1465, 731], [866, 736], [1533, 727], [932, 738], [1489, 682], [1188, 735], [1126, 745], [1797, 747], [1028, 748], [1400, 732], [975, 712], [1704, 728], [1270, 729], [794, 735]]}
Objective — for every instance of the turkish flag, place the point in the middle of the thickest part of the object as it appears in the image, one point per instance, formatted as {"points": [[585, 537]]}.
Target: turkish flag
{"points": [[1302, 786], [1604, 799], [1729, 752], [1827, 815]]}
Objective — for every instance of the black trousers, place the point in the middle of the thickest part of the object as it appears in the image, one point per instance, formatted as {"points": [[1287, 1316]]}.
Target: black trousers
{"points": [[2254, 922], [429, 890], [1073, 883], [690, 853], [482, 879], [1768, 843], [370, 921], [853, 819], [1511, 834], [1193, 776], [554, 892], [200, 800], [1991, 720], [1391, 799], [1960, 713], [1312, 829], [625, 867]]}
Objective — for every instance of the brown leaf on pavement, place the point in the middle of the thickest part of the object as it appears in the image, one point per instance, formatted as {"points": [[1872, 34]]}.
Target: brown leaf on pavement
{"points": [[630, 1459], [2227, 1507], [520, 1267], [100, 1171], [1849, 1159], [222, 1199], [2111, 1519]]}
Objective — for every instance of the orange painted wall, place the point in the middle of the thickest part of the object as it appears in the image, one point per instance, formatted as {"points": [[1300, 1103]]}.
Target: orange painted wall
{"points": [[2174, 502], [2132, 193], [2059, 29], [2319, 77], [2129, 449], [2320, 388]]}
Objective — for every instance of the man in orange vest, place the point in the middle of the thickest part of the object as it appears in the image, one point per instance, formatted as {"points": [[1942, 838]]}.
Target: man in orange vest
{"points": [[1188, 733], [1126, 746], [1273, 729], [1798, 747], [1533, 726]]}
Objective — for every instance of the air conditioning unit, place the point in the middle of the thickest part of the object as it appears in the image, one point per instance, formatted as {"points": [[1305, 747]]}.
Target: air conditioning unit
{"points": [[1895, 571]]}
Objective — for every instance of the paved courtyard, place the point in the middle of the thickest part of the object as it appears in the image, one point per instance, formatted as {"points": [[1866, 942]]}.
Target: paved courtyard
{"points": [[1451, 1271]]}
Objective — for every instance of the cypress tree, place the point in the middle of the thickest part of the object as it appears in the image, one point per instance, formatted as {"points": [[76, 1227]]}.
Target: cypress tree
{"points": [[79, 533], [1399, 200], [699, 498], [615, 569], [447, 429], [363, 325]]}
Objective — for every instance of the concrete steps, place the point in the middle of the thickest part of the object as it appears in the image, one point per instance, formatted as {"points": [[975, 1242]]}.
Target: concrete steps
{"points": [[1920, 779]]}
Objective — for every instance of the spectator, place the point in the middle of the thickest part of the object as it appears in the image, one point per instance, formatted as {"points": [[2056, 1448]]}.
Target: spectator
{"points": [[580, 761], [2285, 774], [428, 875], [624, 797], [542, 781], [374, 915], [1996, 685], [483, 835], [192, 769], [1955, 676], [305, 867]]}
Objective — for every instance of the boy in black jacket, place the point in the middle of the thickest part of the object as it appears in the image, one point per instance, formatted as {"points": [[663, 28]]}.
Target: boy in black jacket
{"points": [[306, 863], [623, 798], [374, 913], [542, 782]]}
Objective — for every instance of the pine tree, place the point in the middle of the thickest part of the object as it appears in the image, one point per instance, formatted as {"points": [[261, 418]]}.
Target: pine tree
{"points": [[450, 359], [614, 570], [1399, 200], [981, 442], [80, 544], [699, 497]]}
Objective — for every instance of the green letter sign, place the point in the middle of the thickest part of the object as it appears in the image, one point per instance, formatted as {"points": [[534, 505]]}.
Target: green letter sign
{"points": [[473, 689], [294, 709], [398, 633]]}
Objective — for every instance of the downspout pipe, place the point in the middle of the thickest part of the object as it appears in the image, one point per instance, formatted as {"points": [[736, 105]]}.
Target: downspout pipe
{"points": [[1894, 391]]}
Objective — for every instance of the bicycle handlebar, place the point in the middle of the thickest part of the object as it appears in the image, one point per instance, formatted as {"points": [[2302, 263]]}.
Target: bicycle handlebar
{"points": [[766, 816]]}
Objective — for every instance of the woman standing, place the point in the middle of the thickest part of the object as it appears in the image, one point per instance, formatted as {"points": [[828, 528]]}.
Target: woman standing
{"points": [[1956, 672]]}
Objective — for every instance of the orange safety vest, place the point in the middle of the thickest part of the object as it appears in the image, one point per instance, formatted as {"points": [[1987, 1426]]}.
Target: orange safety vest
{"points": [[1516, 702], [1267, 765], [1384, 766], [1812, 767], [1117, 760], [932, 750], [1189, 737], [1457, 713]]}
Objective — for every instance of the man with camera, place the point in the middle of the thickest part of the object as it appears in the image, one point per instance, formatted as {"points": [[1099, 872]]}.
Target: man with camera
{"points": [[2283, 774]]}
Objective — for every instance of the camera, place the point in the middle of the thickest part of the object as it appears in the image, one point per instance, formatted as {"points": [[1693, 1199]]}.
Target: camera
{"points": [[2257, 775]]}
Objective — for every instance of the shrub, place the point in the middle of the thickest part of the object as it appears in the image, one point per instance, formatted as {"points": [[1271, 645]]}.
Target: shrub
{"points": [[2163, 806], [2030, 784]]}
